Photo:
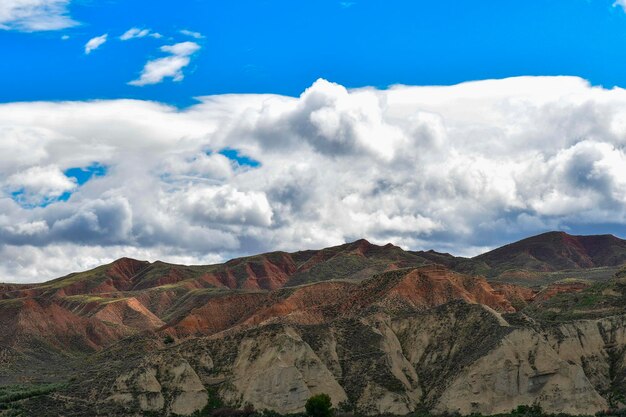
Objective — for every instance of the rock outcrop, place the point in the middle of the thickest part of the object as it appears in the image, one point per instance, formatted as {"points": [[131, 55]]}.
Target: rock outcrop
{"points": [[457, 357], [170, 387]]}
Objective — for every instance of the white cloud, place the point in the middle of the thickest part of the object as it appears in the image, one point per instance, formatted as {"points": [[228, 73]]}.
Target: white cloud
{"points": [[459, 168], [95, 43], [39, 184], [35, 15], [195, 35], [620, 3], [134, 33], [171, 66], [224, 205]]}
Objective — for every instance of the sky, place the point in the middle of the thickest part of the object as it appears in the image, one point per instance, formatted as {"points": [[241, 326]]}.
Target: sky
{"points": [[202, 131]]}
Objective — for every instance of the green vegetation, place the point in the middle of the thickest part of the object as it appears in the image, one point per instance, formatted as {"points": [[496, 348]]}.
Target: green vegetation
{"points": [[525, 277], [533, 410], [319, 406], [214, 403], [93, 278], [12, 395], [598, 300], [85, 299]]}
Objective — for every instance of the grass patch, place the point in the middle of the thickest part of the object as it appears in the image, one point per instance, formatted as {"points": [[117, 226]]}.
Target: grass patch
{"points": [[12, 393], [598, 300], [86, 299]]}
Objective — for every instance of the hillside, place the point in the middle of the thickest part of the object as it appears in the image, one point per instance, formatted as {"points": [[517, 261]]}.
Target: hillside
{"points": [[542, 259], [380, 329], [555, 251]]}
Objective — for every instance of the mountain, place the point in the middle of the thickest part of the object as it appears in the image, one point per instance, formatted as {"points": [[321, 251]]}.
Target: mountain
{"points": [[541, 259], [555, 251], [380, 329]]}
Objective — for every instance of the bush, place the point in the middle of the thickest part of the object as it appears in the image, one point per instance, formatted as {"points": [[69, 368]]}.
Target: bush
{"points": [[270, 413], [528, 411], [319, 406], [346, 406]]}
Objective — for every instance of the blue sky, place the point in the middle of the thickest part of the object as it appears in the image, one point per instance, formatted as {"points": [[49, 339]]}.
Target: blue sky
{"points": [[284, 125], [282, 47]]}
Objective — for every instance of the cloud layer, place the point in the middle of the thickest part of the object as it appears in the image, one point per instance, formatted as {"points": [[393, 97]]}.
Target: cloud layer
{"points": [[457, 168], [35, 15]]}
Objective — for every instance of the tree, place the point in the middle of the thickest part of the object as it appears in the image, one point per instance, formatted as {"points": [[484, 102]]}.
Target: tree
{"points": [[319, 406], [527, 411]]}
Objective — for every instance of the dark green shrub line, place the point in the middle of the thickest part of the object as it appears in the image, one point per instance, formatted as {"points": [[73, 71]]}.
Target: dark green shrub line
{"points": [[22, 393], [321, 406]]}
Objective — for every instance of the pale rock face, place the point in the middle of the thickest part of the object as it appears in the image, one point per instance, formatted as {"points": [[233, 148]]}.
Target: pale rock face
{"points": [[399, 365], [458, 358], [189, 393], [146, 387], [188, 402], [141, 386], [376, 400], [595, 345], [328, 354], [151, 401], [281, 373], [523, 369]]}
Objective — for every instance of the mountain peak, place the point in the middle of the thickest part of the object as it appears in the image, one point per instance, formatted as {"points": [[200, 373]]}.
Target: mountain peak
{"points": [[126, 268], [361, 242], [556, 250]]}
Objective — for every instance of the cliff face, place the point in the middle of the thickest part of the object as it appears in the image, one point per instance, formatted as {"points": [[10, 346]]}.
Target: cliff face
{"points": [[455, 358], [523, 369]]}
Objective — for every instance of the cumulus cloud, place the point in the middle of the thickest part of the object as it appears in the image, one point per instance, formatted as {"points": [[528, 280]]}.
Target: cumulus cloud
{"points": [[224, 205], [171, 66], [460, 168], [39, 184], [95, 43], [134, 33], [35, 15]]}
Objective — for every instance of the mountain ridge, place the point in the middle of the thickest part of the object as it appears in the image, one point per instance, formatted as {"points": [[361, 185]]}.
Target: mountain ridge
{"points": [[576, 252], [379, 328]]}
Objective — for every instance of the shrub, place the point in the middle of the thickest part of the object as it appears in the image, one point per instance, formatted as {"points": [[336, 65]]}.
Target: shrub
{"points": [[346, 406], [528, 411], [319, 406]]}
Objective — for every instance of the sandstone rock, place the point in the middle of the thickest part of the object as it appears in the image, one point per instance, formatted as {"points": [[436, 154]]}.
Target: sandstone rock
{"points": [[141, 387], [523, 369], [159, 383], [188, 393], [280, 373]]}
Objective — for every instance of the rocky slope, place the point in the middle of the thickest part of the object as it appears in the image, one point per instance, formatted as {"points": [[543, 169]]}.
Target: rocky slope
{"points": [[379, 329]]}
